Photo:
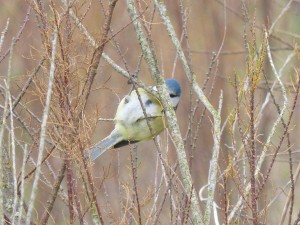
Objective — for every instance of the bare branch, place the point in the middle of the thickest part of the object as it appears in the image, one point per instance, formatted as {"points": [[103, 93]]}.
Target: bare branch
{"points": [[43, 129]]}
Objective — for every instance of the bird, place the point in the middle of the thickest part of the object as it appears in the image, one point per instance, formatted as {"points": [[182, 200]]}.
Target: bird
{"points": [[131, 124]]}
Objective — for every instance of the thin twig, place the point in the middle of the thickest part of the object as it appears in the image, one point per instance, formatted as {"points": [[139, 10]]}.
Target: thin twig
{"points": [[289, 197], [133, 157], [21, 200], [43, 129], [3, 33], [50, 202], [13, 155], [17, 37]]}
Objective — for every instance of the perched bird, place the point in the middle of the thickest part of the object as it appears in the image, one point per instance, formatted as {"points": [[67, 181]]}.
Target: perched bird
{"points": [[131, 124]]}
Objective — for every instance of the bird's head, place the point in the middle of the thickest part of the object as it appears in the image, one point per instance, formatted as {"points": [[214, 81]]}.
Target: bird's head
{"points": [[174, 91]]}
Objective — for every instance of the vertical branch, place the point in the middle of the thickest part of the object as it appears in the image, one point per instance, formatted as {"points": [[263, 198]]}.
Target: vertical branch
{"points": [[255, 69], [216, 117], [70, 187], [226, 203], [134, 158], [86, 92], [22, 185], [213, 168], [66, 108], [1, 157], [13, 156], [252, 153], [13, 148], [255, 64], [6, 110], [289, 197], [169, 111], [77, 204], [43, 129], [292, 191], [3, 34]]}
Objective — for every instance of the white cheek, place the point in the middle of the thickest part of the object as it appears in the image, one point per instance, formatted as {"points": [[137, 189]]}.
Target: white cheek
{"points": [[175, 101]]}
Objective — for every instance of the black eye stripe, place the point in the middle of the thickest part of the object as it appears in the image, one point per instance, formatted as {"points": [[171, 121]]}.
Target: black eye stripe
{"points": [[126, 100], [172, 95], [148, 102]]}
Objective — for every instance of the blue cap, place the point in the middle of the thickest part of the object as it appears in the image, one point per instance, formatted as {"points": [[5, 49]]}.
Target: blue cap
{"points": [[174, 86]]}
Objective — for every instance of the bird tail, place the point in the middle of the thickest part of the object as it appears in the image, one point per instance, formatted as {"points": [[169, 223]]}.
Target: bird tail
{"points": [[98, 149]]}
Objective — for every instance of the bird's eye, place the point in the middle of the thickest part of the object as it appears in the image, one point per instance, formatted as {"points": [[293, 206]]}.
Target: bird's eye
{"points": [[172, 95], [126, 100]]}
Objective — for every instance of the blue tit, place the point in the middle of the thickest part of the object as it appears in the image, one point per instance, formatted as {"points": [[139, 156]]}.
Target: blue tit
{"points": [[131, 124]]}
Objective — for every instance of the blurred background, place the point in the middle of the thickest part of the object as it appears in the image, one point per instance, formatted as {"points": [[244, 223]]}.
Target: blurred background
{"points": [[222, 28]]}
